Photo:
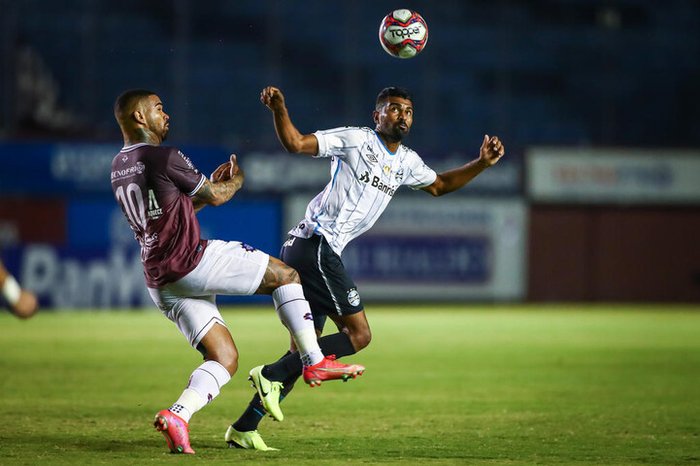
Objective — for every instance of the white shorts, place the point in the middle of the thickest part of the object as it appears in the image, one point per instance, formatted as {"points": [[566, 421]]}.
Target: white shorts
{"points": [[227, 268]]}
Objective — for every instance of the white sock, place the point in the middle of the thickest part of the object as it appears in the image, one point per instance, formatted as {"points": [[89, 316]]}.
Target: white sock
{"points": [[11, 290], [204, 385], [295, 313], [189, 403]]}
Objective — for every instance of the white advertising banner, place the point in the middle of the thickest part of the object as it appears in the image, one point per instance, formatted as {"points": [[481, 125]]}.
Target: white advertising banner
{"points": [[613, 176], [427, 249]]}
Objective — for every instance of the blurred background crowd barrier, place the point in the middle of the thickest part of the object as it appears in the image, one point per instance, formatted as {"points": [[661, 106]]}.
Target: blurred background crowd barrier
{"points": [[598, 102]]}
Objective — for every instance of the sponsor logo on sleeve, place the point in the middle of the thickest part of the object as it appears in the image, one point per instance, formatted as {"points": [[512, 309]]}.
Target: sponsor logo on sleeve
{"points": [[188, 161]]}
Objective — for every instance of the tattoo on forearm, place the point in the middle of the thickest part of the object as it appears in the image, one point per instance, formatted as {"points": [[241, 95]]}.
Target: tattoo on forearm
{"points": [[221, 191], [228, 188], [203, 194]]}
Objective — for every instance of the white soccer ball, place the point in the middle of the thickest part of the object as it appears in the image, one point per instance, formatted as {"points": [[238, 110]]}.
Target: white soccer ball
{"points": [[403, 33]]}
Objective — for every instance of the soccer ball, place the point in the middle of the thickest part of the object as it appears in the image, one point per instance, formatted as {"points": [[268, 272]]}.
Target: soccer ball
{"points": [[403, 33]]}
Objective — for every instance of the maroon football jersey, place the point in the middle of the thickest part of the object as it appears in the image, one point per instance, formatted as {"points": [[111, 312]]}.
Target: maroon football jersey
{"points": [[153, 186]]}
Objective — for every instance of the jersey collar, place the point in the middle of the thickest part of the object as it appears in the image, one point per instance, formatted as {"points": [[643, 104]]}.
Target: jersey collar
{"points": [[386, 149], [133, 146]]}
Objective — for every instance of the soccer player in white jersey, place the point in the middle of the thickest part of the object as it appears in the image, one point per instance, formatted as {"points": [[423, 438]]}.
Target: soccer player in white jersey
{"points": [[22, 303], [159, 190], [367, 167]]}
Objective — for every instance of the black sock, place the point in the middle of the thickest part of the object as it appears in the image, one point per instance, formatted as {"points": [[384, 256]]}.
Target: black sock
{"points": [[254, 412], [337, 343], [251, 417], [288, 385], [287, 369]]}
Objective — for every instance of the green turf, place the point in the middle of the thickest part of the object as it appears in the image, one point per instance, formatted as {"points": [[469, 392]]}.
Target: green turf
{"points": [[444, 385]]}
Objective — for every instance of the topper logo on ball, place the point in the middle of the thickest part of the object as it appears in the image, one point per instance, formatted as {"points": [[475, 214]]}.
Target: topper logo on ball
{"points": [[403, 32]]}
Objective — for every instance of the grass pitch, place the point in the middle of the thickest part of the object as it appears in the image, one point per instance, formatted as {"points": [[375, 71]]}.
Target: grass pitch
{"points": [[444, 385]]}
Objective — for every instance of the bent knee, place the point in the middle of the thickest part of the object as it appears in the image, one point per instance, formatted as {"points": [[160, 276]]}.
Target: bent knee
{"points": [[228, 358], [360, 338], [365, 339]]}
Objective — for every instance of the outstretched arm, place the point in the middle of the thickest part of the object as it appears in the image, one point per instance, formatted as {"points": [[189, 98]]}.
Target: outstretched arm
{"points": [[290, 137], [222, 185], [491, 152]]}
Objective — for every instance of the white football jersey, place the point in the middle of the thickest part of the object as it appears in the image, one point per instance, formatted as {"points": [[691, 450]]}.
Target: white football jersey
{"points": [[364, 178]]}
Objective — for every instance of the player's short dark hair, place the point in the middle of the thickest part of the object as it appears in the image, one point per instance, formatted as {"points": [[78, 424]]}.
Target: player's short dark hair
{"points": [[393, 91], [127, 100]]}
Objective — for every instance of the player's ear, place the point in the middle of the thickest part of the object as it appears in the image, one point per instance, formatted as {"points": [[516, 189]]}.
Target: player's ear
{"points": [[375, 117], [138, 116], [138, 113]]}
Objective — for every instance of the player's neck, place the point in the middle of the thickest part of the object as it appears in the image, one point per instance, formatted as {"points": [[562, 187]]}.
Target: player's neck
{"points": [[140, 135], [390, 143]]}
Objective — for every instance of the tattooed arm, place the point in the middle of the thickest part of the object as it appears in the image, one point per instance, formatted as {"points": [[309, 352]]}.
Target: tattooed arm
{"points": [[226, 180]]}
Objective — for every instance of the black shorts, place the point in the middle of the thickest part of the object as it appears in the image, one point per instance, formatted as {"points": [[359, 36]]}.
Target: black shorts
{"points": [[327, 286]]}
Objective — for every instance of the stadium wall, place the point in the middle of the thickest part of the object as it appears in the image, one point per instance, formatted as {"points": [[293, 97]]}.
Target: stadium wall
{"points": [[610, 253]]}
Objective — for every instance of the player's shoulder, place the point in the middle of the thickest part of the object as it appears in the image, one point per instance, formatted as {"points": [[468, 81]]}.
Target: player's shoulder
{"points": [[179, 157], [360, 132], [349, 136], [408, 151], [349, 130], [146, 150], [167, 152], [163, 156], [365, 132]]}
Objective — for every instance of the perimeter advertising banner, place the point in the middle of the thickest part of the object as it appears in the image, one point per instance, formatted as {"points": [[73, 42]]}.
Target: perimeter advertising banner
{"points": [[74, 169], [566, 175], [446, 249], [97, 265]]}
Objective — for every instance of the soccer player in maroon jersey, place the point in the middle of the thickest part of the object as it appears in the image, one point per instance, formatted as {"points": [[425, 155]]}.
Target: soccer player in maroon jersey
{"points": [[22, 302], [159, 191]]}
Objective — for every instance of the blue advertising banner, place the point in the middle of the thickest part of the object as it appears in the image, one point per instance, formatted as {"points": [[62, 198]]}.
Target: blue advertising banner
{"points": [[99, 266], [74, 169], [400, 259]]}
